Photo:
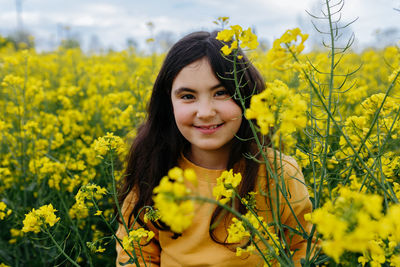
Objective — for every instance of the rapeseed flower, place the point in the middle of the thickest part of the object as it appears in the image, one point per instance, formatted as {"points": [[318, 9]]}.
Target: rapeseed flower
{"points": [[136, 236], [4, 212], [151, 215], [109, 143], [357, 218], [280, 55], [36, 219], [84, 200], [222, 21], [226, 186], [237, 231], [280, 108], [15, 234], [95, 246], [237, 38], [240, 232], [169, 199]]}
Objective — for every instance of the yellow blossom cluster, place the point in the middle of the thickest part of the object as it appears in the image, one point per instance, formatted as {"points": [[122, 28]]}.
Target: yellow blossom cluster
{"points": [[169, 199], [280, 108], [222, 21], [240, 231], [15, 235], [36, 219], [4, 211], [136, 236], [84, 198], [95, 248], [283, 49], [354, 222], [237, 37], [226, 186], [96, 244], [396, 189], [151, 215], [7, 179], [358, 126], [110, 143], [394, 53]]}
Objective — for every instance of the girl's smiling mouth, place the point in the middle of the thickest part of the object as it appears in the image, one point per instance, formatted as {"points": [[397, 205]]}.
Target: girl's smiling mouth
{"points": [[208, 129]]}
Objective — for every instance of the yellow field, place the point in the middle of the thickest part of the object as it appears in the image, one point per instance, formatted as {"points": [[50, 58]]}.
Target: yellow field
{"points": [[55, 105]]}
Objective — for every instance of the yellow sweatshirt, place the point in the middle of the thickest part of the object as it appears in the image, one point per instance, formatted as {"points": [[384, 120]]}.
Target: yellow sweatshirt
{"points": [[196, 248]]}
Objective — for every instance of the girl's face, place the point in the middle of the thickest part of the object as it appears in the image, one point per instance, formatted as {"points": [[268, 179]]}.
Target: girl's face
{"points": [[205, 113]]}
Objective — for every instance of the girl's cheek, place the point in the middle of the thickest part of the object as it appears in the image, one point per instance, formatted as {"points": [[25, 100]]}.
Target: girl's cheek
{"points": [[182, 113], [232, 110]]}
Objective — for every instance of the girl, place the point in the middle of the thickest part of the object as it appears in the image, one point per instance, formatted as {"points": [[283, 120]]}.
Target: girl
{"points": [[195, 121]]}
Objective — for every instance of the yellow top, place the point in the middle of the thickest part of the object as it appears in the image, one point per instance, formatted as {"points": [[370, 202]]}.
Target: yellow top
{"points": [[196, 248]]}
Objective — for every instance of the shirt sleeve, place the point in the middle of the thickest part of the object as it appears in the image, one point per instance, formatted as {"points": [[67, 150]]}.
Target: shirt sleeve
{"points": [[151, 251], [298, 197]]}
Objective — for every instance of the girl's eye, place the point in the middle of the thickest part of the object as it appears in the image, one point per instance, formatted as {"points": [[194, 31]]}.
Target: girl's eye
{"points": [[187, 97], [222, 93]]}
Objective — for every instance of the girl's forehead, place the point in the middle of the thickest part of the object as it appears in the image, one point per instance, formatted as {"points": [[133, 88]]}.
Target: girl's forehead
{"points": [[195, 65], [196, 72]]}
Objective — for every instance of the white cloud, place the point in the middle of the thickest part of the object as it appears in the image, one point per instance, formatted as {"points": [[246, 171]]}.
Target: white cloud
{"points": [[114, 21]]}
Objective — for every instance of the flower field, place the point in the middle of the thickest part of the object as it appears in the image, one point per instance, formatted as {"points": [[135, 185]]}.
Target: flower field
{"points": [[67, 119]]}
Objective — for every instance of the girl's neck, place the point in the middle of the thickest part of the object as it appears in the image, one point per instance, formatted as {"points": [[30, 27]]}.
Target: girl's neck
{"points": [[214, 160]]}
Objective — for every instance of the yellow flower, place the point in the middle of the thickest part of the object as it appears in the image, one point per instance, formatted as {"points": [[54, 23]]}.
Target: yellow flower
{"points": [[238, 37], [222, 21], [4, 211], [151, 215], [136, 236], [168, 199], [236, 231], [248, 39], [279, 107], [226, 185], [239, 231], [190, 176], [237, 29], [281, 52], [15, 233], [226, 50], [356, 218], [225, 35], [176, 174], [109, 143], [35, 219], [90, 192], [95, 246], [100, 249]]}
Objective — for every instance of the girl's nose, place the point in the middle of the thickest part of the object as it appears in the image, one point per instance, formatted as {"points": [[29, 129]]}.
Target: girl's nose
{"points": [[206, 110]]}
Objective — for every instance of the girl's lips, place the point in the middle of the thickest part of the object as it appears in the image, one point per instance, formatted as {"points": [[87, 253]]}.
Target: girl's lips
{"points": [[208, 129]]}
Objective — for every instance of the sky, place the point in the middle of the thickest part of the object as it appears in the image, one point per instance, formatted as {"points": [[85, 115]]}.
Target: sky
{"points": [[110, 23]]}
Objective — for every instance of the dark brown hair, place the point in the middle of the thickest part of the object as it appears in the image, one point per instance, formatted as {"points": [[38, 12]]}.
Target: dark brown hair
{"points": [[159, 144]]}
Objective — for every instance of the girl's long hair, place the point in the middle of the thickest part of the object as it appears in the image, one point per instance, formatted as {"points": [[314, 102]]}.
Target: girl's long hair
{"points": [[159, 144]]}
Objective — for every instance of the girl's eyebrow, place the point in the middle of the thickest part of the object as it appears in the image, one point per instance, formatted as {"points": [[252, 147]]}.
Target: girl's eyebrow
{"points": [[186, 89]]}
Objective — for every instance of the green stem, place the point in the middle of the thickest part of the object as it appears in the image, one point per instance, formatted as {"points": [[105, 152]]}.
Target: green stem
{"points": [[74, 227], [60, 248], [331, 81], [114, 188], [114, 234]]}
